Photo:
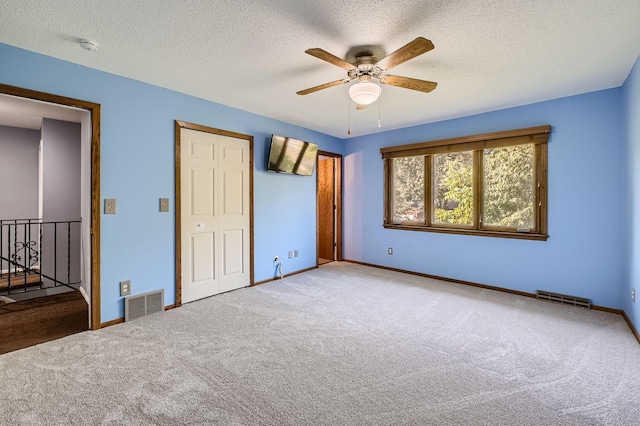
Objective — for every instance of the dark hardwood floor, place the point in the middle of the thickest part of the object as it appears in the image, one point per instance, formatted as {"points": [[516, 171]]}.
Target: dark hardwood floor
{"points": [[30, 322]]}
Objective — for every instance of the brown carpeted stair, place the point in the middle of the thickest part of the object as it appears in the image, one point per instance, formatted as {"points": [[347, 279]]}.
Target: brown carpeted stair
{"points": [[30, 322]]}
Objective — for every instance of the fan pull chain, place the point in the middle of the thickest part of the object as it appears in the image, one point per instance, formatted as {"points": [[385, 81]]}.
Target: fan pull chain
{"points": [[349, 109], [379, 124]]}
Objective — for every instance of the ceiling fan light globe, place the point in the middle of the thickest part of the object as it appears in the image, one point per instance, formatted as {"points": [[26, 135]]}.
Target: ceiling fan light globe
{"points": [[364, 93]]}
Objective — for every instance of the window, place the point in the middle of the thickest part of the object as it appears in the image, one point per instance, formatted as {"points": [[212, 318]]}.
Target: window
{"points": [[493, 184], [408, 192]]}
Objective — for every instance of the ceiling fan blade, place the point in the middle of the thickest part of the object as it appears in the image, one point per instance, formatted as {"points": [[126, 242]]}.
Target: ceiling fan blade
{"points": [[408, 83], [332, 59], [323, 86], [410, 50]]}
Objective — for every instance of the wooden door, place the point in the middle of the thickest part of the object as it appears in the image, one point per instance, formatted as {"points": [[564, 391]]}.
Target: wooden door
{"points": [[326, 208]]}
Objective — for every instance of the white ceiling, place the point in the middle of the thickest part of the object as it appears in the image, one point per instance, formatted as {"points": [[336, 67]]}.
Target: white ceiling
{"points": [[249, 54]]}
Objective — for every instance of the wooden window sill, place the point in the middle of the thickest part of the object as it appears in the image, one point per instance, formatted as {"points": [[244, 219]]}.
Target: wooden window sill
{"points": [[478, 232]]}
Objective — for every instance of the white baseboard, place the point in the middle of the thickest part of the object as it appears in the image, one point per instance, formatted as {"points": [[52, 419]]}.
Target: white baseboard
{"points": [[85, 295]]}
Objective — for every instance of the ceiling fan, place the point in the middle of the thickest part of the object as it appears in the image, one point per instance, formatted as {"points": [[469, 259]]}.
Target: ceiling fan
{"points": [[366, 67]]}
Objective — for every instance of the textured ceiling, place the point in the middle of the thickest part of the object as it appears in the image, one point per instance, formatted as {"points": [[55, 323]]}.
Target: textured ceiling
{"points": [[249, 54]]}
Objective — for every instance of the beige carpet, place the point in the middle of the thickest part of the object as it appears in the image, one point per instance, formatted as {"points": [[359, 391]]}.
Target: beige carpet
{"points": [[341, 345]]}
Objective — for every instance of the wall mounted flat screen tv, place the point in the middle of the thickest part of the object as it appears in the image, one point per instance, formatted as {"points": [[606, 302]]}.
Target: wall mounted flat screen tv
{"points": [[292, 156]]}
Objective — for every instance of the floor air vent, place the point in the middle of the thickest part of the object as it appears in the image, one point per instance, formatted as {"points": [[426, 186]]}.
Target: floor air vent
{"points": [[142, 305], [563, 298]]}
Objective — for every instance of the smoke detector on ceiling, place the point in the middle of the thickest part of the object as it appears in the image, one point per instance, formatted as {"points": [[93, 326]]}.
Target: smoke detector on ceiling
{"points": [[88, 45]]}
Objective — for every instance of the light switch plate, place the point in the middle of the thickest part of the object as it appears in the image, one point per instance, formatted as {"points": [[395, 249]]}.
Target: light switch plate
{"points": [[109, 206], [164, 205]]}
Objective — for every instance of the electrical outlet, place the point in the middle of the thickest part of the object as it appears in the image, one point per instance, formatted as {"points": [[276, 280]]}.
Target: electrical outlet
{"points": [[125, 288], [276, 259], [290, 254], [295, 253], [633, 295], [390, 250]]}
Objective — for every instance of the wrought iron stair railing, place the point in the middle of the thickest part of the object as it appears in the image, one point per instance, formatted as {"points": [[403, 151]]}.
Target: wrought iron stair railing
{"points": [[37, 254]]}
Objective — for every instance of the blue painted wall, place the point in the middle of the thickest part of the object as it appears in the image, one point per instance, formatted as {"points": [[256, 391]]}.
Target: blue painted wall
{"points": [[137, 168], [631, 96], [584, 255]]}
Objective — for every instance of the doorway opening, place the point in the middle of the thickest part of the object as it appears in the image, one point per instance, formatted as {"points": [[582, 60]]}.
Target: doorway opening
{"points": [[329, 207], [82, 245]]}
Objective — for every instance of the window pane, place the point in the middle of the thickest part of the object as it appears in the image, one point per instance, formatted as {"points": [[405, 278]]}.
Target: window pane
{"points": [[509, 186], [453, 188], [408, 189]]}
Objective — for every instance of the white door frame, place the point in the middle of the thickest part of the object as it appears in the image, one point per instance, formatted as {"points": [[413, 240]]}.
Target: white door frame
{"points": [[178, 195]]}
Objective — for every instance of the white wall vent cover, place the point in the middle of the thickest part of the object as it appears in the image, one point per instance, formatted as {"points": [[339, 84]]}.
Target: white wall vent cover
{"points": [[141, 305]]}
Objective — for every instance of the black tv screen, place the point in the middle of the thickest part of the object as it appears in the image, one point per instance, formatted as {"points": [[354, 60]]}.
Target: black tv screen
{"points": [[292, 156]]}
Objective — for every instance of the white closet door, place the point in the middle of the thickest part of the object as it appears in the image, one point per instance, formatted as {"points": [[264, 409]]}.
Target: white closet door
{"points": [[233, 219], [215, 214]]}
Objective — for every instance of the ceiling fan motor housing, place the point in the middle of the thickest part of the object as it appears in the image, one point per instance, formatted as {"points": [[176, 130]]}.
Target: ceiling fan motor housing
{"points": [[365, 65]]}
